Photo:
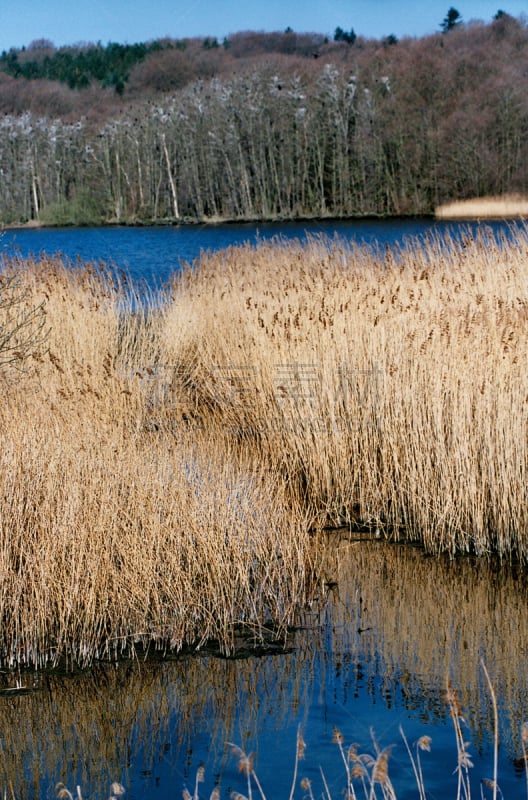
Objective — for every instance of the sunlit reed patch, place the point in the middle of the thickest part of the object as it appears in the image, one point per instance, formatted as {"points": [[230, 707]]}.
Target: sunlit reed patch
{"points": [[166, 471]]}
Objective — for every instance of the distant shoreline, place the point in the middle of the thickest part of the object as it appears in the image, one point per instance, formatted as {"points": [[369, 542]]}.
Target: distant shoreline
{"points": [[506, 207], [210, 222]]}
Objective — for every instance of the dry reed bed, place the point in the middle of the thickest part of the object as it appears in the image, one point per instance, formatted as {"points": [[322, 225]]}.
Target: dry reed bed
{"points": [[160, 469], [501, 207], [113, 530], [389, 387]]}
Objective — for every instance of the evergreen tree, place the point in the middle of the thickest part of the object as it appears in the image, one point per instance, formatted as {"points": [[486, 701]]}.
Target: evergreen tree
{"points": [[345, 36], [452, 19]]}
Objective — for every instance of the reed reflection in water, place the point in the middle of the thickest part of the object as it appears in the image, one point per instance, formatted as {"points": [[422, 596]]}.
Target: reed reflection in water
{"points": [[376, 652]]}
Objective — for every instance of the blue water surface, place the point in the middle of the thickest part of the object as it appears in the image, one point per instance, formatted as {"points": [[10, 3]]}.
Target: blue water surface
{"points": [[153, 254]]}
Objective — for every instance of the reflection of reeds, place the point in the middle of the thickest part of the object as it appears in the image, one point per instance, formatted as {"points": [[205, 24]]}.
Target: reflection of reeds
{"points": [[92, 729], [419, 619]]}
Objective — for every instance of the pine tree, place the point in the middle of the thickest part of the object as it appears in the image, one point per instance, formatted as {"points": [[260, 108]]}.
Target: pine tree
{"points": [[452, 19]]}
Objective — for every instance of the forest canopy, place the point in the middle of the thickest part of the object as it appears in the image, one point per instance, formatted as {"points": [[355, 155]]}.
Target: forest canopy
{"points": [[264, 125]]}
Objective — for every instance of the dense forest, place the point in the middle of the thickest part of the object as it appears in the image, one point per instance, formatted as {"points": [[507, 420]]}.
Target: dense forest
{"points": [[263, 125]]}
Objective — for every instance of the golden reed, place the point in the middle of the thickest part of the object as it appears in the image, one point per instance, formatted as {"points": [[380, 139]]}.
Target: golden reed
{"points": [[161, 467]]}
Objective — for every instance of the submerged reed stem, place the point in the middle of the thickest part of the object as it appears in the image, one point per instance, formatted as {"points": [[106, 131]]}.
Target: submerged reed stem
{"points": [[495, 785]]}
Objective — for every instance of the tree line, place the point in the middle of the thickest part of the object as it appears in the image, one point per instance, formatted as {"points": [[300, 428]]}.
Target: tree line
{"points": [[77, 67], [337, 129]]}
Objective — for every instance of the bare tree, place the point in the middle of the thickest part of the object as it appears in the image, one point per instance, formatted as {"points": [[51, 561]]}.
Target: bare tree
{"points": [[22, 322]]}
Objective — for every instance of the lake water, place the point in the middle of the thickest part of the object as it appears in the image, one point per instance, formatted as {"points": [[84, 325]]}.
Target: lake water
{"points": [[154, 254], [374, 656]]}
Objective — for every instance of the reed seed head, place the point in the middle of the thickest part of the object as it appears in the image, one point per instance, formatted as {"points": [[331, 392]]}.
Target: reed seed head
{"points": [[358, 771], [464, 757], [301, 745], [453, 702], [524, 733], [380, 773], [62, 792], [338, 737], [424, 743]]}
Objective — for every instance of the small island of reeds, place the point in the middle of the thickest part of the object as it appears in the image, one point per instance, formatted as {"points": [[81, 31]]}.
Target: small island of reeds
{"points": [[168, 466], [501, 207]]}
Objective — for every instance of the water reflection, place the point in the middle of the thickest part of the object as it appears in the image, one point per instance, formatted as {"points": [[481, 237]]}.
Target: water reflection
{"points": [[421, 619], [375, 654]]}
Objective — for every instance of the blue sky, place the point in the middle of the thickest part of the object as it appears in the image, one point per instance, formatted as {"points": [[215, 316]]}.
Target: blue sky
{"points": [[129, 21]]}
